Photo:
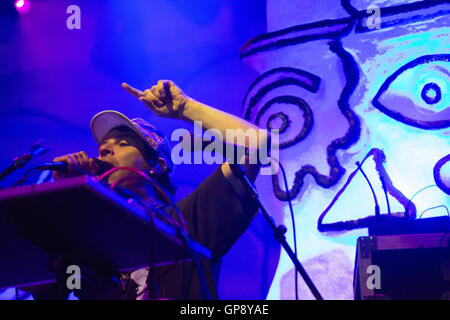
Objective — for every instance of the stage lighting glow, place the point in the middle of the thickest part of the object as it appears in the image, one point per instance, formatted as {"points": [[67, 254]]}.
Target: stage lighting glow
{"points": [[19, 4], [22, 6]]}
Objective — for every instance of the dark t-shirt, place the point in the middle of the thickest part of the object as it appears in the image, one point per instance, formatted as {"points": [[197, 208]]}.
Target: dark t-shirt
{"points": [[216, 216]]}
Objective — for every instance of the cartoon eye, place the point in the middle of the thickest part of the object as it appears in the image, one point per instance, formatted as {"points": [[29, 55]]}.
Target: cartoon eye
{"points": [[417, 94]]}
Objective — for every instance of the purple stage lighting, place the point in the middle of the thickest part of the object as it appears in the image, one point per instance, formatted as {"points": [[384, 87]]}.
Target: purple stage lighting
{"points": [[22, 6], [19, 4]]}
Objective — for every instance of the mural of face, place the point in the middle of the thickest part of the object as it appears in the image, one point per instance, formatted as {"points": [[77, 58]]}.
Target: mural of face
{"points": [[403, 95], [342, 82]]}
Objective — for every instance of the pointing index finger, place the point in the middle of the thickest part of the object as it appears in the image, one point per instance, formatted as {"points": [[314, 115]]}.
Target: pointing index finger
{"points": [[133, 91]]}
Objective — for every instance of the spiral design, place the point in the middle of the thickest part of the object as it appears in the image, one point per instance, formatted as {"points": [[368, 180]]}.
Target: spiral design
{"points": [[282, 122], [289, 114]]}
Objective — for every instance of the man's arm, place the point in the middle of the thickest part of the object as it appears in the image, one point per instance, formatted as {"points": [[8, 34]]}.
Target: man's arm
{"points": [[167, 100]]}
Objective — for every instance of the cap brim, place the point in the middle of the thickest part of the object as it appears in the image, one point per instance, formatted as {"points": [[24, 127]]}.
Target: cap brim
{"points": [[105, 121]]}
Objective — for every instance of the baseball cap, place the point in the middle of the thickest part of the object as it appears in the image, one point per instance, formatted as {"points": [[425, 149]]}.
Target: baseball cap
{"points": [[105, 121]]}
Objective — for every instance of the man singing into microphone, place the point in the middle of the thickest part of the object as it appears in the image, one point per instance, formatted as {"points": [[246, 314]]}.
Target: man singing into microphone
{"points": [[216, 213]]}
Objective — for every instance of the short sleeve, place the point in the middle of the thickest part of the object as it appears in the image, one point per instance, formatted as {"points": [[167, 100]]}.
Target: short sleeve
{"points": [[216, 216]]}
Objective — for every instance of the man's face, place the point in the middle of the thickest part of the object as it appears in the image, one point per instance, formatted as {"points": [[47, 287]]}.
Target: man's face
{"points": [[123, 148]]}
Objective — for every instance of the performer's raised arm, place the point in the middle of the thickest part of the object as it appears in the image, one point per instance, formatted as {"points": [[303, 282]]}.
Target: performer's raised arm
{"points": [[167, 100]]}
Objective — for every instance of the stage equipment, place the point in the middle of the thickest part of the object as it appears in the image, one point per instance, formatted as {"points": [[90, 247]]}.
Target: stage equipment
{"points": [[403, 267], [87, 223]]}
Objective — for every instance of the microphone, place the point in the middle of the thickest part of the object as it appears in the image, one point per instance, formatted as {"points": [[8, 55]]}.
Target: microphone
{"points": [[54, 166], [62, 166]]}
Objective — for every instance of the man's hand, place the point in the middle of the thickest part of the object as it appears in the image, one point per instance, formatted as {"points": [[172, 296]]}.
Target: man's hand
{"points": [[164, 99], [167, 100], [77, 164]]}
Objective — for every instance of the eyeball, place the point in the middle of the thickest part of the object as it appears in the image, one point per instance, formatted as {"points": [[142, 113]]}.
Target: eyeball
{"points": [[431, 93], [417, 94]]}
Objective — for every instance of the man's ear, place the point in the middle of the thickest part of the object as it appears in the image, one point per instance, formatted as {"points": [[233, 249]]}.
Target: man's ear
{"points": [[160, 167]]}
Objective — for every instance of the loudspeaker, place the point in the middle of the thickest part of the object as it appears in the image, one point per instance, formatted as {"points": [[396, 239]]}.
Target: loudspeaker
{"points": [[403, 267]]}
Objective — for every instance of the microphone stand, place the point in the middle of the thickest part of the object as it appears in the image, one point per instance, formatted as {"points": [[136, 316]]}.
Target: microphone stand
{"points": [[37, 150], [18, 163], [279, 231]]}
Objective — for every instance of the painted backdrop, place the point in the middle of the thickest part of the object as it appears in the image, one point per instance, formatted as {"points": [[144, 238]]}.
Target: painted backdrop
{"points": [[347, 82]]}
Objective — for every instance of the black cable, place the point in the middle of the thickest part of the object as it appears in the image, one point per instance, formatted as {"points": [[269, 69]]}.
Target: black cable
{"points": [[278, 231], [151, 281], [185, 238], [185, 287], [377, 207], [167, 197], [204, 287], [24, 177], [383, 184], [183, 235], [292, 219], [182, 232]]}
